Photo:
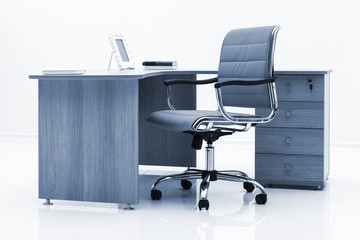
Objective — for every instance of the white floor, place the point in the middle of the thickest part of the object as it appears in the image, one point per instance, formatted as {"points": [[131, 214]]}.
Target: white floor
{"points": [[289, 214]]}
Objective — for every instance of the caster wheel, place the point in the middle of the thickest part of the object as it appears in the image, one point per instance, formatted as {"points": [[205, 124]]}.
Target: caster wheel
{"points": [[249, 187], [156, 194], [261, 198], [186, 184], [203, 203]]}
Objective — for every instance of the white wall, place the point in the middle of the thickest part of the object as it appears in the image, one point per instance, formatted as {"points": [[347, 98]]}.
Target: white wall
{"points": [[45, 34]]}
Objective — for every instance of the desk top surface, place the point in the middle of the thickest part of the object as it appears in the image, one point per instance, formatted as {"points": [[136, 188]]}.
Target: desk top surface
{"points": [[141, 73]]}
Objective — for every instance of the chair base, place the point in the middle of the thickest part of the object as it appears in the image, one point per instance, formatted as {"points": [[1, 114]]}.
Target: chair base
{"points": [[207, 176], [210, 174]]}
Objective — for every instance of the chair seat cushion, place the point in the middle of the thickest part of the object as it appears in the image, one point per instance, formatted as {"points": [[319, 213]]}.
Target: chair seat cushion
{"points": [[182, 120]]}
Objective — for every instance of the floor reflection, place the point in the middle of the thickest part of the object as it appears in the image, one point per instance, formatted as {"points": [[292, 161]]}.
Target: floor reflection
{"points": [[176, 212]]}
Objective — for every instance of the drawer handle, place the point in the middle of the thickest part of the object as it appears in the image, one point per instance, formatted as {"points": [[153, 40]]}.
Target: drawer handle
{"points": [[288, 140], [288, 167], [310, 84], [288, 114], [288, 86]]}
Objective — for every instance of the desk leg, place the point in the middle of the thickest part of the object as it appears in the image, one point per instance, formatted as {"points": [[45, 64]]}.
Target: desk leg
{"points": [[128, 207], [47, 203]]}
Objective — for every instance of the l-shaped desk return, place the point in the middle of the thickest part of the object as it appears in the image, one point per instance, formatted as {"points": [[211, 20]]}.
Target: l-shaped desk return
{"points": [[93, 135]]}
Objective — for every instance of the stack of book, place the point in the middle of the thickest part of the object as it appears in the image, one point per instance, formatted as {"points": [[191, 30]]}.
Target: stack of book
{"points": [[158, 65]]}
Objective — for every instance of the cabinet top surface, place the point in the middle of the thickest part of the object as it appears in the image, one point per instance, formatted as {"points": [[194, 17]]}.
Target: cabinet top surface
{"points": [[141, 73], [303, 72]]}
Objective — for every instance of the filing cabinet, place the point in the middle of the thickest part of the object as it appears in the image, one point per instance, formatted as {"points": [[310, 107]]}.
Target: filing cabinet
{"points": [[293, 149]]}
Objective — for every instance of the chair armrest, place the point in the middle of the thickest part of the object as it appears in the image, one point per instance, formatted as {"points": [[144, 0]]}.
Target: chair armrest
{"points": [[170, 82], [194, 82], [245, 82]]}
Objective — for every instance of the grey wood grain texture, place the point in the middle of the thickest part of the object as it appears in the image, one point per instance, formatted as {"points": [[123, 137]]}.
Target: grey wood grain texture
{"points": [[304, 141], [289, 141], [297, 88], [280, 167], [303, 184], [88, 140], [157, 146], [296, 115], [61, 178]]}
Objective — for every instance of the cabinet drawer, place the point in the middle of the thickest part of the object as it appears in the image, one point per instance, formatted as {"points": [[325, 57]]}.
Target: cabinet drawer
{"points": [[284, 168], [296, 114], [289, 141], [297, 88]]}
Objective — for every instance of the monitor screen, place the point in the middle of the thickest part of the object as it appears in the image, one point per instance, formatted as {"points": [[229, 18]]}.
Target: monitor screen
{"points": [[122, 50]]}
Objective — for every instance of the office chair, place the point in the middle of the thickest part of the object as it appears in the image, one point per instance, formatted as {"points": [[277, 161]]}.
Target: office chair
{"points": [[245, 80]]}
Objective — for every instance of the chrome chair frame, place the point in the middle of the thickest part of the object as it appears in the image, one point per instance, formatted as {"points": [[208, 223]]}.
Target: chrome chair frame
{"points": [[225, 123]]}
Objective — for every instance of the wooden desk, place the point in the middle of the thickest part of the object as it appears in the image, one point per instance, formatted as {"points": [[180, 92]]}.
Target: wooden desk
{"points": [[93, 135]]}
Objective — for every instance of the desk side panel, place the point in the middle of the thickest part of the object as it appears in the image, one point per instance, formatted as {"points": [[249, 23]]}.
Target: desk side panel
{"points": [[157, 146], [327, 127], [88, 140]]}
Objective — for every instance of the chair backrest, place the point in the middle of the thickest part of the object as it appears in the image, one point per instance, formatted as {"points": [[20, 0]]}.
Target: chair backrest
{"points": [[247, 54]]}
